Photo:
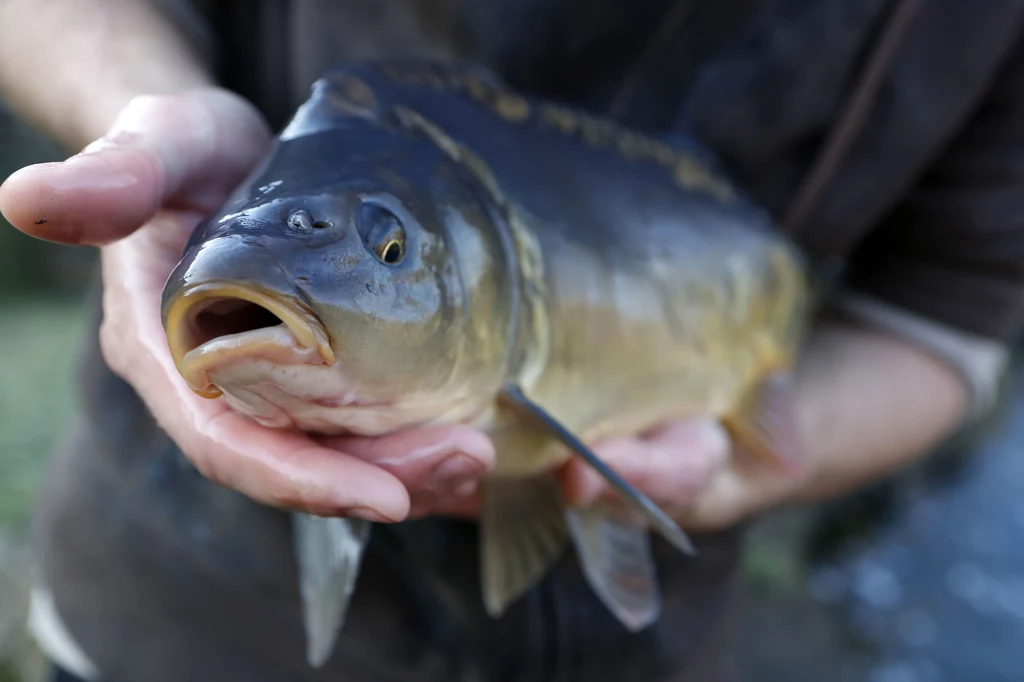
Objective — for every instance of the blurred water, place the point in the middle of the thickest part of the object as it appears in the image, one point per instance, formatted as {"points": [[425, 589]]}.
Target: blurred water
{"points": [[937, 594]]}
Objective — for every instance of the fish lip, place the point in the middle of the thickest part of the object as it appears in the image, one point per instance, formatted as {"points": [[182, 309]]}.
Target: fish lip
{"points": [[296, 315]]}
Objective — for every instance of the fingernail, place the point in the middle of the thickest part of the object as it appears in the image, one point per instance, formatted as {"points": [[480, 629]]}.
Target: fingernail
{"points": [[368, 514], [113, 140], [455, 470]]}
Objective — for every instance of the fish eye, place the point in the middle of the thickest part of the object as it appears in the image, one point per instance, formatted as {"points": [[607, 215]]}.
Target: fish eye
{"points": [[382, 232]]}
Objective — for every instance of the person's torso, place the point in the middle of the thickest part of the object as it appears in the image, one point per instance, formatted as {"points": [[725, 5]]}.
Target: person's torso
{"points": [[826, 112]]}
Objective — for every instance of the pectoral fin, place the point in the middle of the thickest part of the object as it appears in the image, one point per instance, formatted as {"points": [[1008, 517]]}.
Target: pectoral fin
{"points": [[615, 555], [328, 552], [659, 520], [523, 532], [765, 421]]}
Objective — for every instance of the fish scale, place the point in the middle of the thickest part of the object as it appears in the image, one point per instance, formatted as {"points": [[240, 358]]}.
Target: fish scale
{"points": [[561, 280]]}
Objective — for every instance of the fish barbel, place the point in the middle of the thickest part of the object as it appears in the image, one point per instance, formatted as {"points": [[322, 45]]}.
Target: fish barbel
{"points": [[424, 245]]}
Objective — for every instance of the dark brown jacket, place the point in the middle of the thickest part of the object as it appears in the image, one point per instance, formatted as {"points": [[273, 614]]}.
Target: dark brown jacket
{"points": [[887, 136]]}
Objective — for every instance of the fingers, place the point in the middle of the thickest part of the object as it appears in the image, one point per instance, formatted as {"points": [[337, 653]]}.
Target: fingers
{"points": [[747, 487], [88, 199], [278, 468], [435, 461], [185, 151], [671, 465], [692, 471], [440, 466], [282, 469], [725, 500]]}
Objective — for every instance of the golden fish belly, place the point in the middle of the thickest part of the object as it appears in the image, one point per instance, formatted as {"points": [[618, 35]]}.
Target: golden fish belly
{"points": [[619, 398], [628, 350]]}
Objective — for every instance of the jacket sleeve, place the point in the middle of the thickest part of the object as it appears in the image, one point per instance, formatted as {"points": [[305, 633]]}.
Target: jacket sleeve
{"points": [[953, 250], [946, 267]]}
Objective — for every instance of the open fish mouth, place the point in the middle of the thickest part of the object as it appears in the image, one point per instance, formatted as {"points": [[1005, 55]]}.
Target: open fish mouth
{"points": [[213, 324]]}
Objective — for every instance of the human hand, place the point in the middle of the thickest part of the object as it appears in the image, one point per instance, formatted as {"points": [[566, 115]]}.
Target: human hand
{"points": [[138, 193], [865, 404], [691, 469]]}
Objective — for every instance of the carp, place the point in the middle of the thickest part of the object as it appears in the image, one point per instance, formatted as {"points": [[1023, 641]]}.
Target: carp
{"points": [[425, 245]]}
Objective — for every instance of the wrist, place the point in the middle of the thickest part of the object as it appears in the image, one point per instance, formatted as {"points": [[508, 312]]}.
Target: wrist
{"points": [[110, 52], [869, 403]]}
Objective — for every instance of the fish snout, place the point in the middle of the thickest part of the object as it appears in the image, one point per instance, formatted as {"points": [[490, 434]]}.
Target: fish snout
{"points": [[219, 309]]}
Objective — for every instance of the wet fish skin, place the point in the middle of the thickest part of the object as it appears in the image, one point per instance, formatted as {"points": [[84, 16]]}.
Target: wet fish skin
{"points": [[615, 277], [410, 337]]}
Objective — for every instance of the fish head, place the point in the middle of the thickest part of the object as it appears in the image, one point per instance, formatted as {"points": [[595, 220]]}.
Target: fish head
{"points": [[357, 283]]}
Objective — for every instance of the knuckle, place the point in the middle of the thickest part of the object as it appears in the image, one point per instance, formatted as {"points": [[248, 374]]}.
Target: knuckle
{"points": [[288, 493], [145, 101], [143, 106], [135, 117]]}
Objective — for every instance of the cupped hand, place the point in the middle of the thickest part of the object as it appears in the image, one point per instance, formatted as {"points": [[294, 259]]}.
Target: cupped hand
{"points": [[692, 470], [137, 193]]}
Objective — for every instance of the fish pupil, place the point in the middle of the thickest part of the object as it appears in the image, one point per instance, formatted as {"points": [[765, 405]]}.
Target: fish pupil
{"points": [[392, 252], [382, 231]]}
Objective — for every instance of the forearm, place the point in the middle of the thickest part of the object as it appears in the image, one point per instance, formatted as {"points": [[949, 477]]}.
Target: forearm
{"points": [[868, 404], [69, 66]]}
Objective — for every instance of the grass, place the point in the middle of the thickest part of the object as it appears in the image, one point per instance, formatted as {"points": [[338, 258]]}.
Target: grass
{"points": [[39, 347]]}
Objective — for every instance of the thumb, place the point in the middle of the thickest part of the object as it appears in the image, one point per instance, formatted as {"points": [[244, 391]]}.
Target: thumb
{"points": [[186, 150]]}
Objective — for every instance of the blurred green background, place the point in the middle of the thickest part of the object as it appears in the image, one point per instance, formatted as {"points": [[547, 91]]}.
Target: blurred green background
{"points": [[40, 333]]}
